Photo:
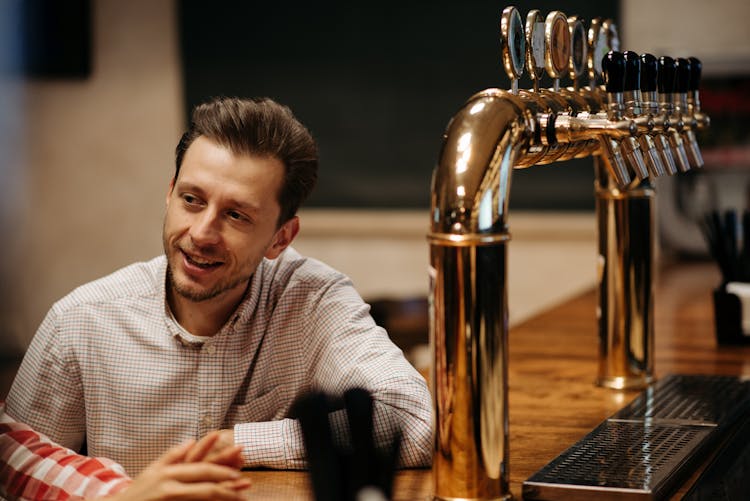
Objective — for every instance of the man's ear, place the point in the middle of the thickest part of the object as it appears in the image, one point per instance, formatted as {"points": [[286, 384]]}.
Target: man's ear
{"points": [[169, 191], [283, 238]]}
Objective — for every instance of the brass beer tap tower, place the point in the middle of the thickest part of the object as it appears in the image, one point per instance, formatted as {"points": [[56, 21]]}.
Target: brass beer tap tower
{"points": [[633, 133]]}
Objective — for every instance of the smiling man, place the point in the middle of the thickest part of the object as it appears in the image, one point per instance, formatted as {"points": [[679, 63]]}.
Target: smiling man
{"points": [[226, 329]]}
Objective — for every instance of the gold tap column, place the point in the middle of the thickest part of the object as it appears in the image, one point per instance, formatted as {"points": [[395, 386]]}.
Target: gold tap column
{"points": [[469, 375], [468, 298], [625, 313]]}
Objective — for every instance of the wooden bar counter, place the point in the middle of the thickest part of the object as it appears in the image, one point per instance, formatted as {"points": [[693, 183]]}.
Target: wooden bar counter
{"points": [[553, 363]]}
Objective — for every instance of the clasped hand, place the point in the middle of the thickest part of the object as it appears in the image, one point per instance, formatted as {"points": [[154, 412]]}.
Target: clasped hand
{"points": [[203, 470]]}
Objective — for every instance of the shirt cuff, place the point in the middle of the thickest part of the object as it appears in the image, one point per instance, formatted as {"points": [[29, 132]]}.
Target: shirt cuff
{"points": [[271, 444]]}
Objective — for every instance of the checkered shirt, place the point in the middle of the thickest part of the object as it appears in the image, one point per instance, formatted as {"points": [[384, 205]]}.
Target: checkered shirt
{"points": [[110, 365], [32, 467]]}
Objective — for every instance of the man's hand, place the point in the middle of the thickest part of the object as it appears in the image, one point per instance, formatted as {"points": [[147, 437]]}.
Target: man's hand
{"points": [[215, 451], [191, 471], [218, 448]]}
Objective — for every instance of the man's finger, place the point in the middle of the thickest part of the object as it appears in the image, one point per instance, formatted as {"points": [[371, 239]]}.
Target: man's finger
{"points": [[230, 456], [176, 454], [198, 451]]}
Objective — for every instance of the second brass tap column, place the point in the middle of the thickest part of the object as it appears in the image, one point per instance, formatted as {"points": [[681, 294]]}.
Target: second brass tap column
{"points": [[625, 313]]}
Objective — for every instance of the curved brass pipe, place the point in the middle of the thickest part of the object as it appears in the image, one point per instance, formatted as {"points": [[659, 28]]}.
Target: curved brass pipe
{"points": [[471, 183]]}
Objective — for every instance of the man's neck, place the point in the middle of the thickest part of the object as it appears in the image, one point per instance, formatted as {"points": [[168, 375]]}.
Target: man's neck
{"points": [[204, 318]]}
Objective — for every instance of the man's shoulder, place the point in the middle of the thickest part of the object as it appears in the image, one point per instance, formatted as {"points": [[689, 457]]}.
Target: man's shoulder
{"points": [[137, 280], [292, 268]]}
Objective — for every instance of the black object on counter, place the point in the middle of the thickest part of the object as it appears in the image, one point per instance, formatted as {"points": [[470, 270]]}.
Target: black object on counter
{"points": [[340, 472], [728, 239], [721, 232], [728, 318]]}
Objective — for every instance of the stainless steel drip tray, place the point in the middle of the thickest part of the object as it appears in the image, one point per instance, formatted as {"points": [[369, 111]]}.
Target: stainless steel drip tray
{"points": [[646, 449]]}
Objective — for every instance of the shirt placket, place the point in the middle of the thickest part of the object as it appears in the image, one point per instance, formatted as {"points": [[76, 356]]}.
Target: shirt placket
{"points": [[208, 386]]}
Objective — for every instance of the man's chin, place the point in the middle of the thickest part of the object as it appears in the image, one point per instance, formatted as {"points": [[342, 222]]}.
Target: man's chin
{"points": [[193, 294], [190, 291]]}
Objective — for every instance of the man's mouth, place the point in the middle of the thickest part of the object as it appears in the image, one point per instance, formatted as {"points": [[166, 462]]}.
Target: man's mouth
{"points": [[201, 262]]}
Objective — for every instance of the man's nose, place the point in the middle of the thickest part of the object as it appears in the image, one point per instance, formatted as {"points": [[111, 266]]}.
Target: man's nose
{"points": [[206, 228]]}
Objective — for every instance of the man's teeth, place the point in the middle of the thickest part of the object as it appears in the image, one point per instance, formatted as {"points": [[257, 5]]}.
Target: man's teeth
{"points": [[201, 262]]}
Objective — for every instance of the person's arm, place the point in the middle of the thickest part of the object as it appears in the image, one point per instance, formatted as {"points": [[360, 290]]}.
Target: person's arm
{"points": [[47, 392], [355, 352], [33, 467], [344, 349]]}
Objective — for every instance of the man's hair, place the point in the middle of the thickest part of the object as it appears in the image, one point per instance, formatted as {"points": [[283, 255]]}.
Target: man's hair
{"points": [[260, 127]]}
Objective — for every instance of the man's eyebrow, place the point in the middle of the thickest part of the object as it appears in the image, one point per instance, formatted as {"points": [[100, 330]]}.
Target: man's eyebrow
{"points": [[187, 186], [243, 205], [182, 185]]}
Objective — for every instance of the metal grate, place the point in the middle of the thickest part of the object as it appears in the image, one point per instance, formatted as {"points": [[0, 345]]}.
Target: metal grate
{"points": [[703, 399], [645, 449]]}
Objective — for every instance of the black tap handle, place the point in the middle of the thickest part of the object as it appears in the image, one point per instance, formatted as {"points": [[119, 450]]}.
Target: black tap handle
{"points": [[613, 70], [632, 71], [695, 73], [648, 73], [682, 79], [665, 75]]}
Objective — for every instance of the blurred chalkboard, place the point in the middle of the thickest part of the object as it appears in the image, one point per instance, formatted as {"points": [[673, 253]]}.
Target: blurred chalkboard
{"points": [[375, 82]]}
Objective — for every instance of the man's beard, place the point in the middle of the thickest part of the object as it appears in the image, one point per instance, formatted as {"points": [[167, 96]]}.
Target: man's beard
{"points": [[198, 296]]}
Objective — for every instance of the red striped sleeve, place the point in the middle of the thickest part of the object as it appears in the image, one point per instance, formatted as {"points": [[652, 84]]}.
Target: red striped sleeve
{"points": [[32, 467]]}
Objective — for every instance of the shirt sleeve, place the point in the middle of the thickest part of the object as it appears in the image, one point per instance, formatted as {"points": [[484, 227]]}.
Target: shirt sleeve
{"points": [[354, 352], [34, 467], [47, 393], [345, 349]]}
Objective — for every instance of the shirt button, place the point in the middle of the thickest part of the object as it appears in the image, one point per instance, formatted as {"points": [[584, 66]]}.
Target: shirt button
{"points": [[210, 349], [207, 420]]}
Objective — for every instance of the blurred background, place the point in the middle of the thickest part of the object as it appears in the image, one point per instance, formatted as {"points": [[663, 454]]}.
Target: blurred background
{"points": [[94, 95]]}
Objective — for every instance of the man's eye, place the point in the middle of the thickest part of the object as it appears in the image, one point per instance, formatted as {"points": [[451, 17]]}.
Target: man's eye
{"points": [[236, 216], [190, 199]]}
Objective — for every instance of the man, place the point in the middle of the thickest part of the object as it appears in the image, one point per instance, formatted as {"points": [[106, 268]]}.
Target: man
{"points": [[226, 329]]}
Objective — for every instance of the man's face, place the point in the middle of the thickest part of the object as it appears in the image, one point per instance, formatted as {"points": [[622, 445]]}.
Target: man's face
{"points": [[221, 220]]}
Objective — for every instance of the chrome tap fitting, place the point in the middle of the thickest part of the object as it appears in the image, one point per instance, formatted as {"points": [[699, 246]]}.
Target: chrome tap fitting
{"points": [[684, 79], [650, 105], [635, 110], [668, 119]]}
